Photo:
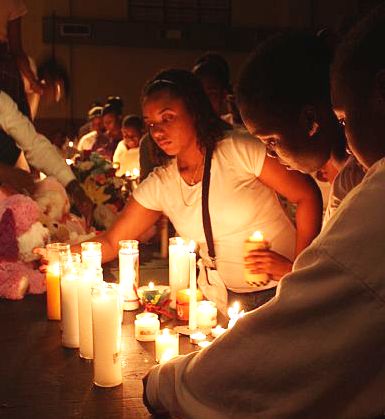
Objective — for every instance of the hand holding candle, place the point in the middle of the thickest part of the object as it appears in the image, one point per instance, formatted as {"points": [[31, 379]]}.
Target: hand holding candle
{"points": [[255, 242]]}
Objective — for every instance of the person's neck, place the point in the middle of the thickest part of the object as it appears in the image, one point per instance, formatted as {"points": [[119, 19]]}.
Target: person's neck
{"points": [[190, 158]]}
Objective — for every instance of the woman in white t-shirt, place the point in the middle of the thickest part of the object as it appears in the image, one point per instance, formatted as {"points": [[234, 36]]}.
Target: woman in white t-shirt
{"points": [[243, 187]]}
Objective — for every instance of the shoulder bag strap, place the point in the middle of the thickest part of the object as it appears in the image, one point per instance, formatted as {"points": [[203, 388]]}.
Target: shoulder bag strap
{"points": [[205, 206]]}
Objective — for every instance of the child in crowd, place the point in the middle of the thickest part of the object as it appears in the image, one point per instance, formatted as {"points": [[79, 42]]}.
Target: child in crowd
{"points": [[127, 151]]}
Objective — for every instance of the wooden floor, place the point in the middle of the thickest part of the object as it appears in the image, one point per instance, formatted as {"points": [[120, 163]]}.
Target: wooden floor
{"points": [[41, 379]]}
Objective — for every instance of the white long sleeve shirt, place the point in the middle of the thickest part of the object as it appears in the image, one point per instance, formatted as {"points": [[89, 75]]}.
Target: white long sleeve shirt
{"points": [[317, 349], [38, 150]]}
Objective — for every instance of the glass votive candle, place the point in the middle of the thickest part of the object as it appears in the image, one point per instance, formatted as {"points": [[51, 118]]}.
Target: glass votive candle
{"points": [[147, 326], [106, 328], [69, 277], [206, 314], [87, 279], [91, 254], [179, 266], [166, 345], [129, 272], [54, 250]]}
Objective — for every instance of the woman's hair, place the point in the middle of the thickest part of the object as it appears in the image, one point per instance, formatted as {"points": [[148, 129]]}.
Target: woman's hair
{"points": [[285, 73], [213, 65], [133, 121], [182, 84]]}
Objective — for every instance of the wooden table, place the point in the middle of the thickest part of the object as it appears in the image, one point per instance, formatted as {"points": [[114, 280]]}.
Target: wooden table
{"points": [[41, 379]]}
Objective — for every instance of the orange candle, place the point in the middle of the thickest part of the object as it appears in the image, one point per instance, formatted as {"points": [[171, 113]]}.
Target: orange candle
{"points": [[54, 252], [53, 292], [183, 303]]}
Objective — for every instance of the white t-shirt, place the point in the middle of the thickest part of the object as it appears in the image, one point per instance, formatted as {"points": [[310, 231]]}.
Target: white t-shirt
{"points": [[10, 10], [239, 204], [128, 158]]}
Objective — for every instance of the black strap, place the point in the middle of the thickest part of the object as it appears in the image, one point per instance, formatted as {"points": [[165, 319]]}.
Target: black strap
{"points": [[205, 206]]}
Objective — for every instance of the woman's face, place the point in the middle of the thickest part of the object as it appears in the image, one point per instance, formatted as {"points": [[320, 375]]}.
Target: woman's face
{"points": [[131, 136], [169, 123], [111, 122]]}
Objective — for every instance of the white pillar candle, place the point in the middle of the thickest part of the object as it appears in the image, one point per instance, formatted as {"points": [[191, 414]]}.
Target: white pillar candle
{"points": [[206, 314], [255, 242], [129, 273], [147, 326], [87, 279], [70, 270], [179, 267], [91, 254], [166, 345], [106, 326], [192, 319], [217, 331]]}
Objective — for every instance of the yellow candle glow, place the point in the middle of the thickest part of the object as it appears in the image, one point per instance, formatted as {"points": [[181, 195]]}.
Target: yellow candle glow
{"points": [[217, 331], [255, 242], [204, 344], [147, 326], [235, 314], [166, 345], [197, 337]]}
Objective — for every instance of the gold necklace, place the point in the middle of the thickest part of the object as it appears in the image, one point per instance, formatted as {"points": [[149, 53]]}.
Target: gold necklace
{"points": [[191, 183]]}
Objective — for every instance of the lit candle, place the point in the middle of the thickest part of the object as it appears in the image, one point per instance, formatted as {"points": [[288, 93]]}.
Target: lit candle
{"points": [[147, 326], [91, 254], [86, 281], [255, 242], [192, 319], [106, 327], [204, 344], [183, 302], [234, 314], [129, 273], [166, 345], [217, 331], [197, 337], [70, 269], [153, 294], [206, 314], [179, 266], [54, 250]]}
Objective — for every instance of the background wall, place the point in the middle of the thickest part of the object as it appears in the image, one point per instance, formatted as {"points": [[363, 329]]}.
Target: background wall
{"points": [[98, 71]]}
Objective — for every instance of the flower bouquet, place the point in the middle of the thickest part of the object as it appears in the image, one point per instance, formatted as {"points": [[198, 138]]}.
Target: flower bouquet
{"points": [[97, 177]]}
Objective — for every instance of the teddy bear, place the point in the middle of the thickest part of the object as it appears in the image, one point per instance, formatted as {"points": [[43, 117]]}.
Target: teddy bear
{"points": [[55, 214], [20, 232]]}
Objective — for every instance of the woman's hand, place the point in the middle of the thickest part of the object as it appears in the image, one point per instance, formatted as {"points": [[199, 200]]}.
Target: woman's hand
{"points": [[81, 200], [268, 262], [43, 258]]}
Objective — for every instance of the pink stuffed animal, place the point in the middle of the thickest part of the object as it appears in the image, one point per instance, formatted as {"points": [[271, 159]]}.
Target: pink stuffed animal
{"points": [[20, 232]]}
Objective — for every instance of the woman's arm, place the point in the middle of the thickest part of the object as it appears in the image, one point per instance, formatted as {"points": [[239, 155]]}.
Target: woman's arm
{"points": [[133, 221], [300, 189]]}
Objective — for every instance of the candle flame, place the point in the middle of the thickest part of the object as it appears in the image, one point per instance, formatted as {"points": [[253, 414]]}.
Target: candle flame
{"points": [[135, 172], [128, 173], [151, 285], [166, 331], [69, 162], [257, 236], [70, 143], [166, 356]]}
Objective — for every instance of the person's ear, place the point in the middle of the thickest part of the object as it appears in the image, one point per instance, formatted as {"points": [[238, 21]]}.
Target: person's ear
{"points": [[308, 119], [380, 85]]}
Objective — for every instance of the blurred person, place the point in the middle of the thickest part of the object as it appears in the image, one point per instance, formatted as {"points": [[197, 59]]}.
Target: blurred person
{"points": [[127, 151]]}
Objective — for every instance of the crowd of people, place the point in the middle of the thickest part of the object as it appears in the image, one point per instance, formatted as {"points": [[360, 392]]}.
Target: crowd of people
{"points": [[222, 159]]}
